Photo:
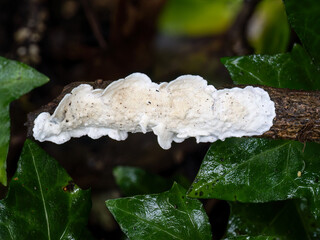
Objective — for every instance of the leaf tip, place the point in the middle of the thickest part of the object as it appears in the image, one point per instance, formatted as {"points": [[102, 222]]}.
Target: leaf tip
{"points": [[224, 60], [109, 203], [3, 178]]}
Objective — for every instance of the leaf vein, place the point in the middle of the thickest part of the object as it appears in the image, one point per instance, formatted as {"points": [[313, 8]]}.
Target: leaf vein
{"points": [[150, 223], [41, 192]]}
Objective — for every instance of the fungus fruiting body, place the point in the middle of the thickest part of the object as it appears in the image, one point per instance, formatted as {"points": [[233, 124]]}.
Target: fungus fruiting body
{"points": [[186, 107]]}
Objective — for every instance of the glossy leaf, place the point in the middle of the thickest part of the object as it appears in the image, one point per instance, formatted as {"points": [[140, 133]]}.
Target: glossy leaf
{"points": [[135, 181], [168, 215], [284, 219], [268, 29], [246, 237], [293, 70], [42, 201], [16, 79], [260, 170], [4, 140], [198, 18], [304, 18]]}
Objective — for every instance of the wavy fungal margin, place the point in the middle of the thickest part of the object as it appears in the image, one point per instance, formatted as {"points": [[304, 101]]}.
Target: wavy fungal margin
{"points": [[185, 107]]}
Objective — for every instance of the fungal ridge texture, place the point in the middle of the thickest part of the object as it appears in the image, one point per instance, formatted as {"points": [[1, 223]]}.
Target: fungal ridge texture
{"points": [[186, 107]]}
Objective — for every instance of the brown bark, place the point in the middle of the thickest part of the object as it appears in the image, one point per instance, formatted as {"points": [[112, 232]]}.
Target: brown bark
{"points": [[297, 115], [297, 112]]}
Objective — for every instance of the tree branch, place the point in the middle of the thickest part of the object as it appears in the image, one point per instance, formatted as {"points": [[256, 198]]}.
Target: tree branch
{"points": [[95, 26], [236, 35], [297, 112], [297, 115]]}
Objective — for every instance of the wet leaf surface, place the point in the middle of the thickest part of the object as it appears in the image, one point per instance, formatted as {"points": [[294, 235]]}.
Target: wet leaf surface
{"points": [[285, 219], [293, 70], [16, 79], [245, 237], [135, 181], [168, 215], [43, 202], [260, 170], [304, 19]]}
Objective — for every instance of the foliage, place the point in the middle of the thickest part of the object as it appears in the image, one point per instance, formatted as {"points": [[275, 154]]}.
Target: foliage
{"points": [[246, 237], [136, 181], [168, 215], [259, 170], [285, 219], [43, 202], [16, 79], [272, 186], [293, 70], [195, 18], [268, 30], [304, 19]]}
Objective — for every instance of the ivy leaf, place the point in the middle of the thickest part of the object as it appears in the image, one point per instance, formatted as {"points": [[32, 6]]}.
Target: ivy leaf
{"points": [[16, 79], [293, 70], [42, 201], [167, 215], [284, 219], [246, 237], [135, 181], [260, 170], [304, 19]]}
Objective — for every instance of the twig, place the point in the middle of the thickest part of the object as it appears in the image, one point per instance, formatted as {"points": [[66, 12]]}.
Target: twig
{"points": [[297, 112], [237, 32], [95, 26]]}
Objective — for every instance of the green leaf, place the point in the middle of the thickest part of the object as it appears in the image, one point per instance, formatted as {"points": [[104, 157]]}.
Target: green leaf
{"points": [[4, 140], [304, 19], [42, 201], [198, 18], [16, 79], [168, 215], [284, 219], [260, 170], [135, 181], [293, 70], [268, 30], [246, 237]]}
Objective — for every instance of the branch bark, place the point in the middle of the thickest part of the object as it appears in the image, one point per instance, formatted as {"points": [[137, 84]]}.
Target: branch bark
{"points": [[95, 25], [297, 112], [297, 115]]}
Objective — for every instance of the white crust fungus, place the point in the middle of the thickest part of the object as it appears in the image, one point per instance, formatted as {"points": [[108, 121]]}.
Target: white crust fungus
{"points": [[186, 107]]}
